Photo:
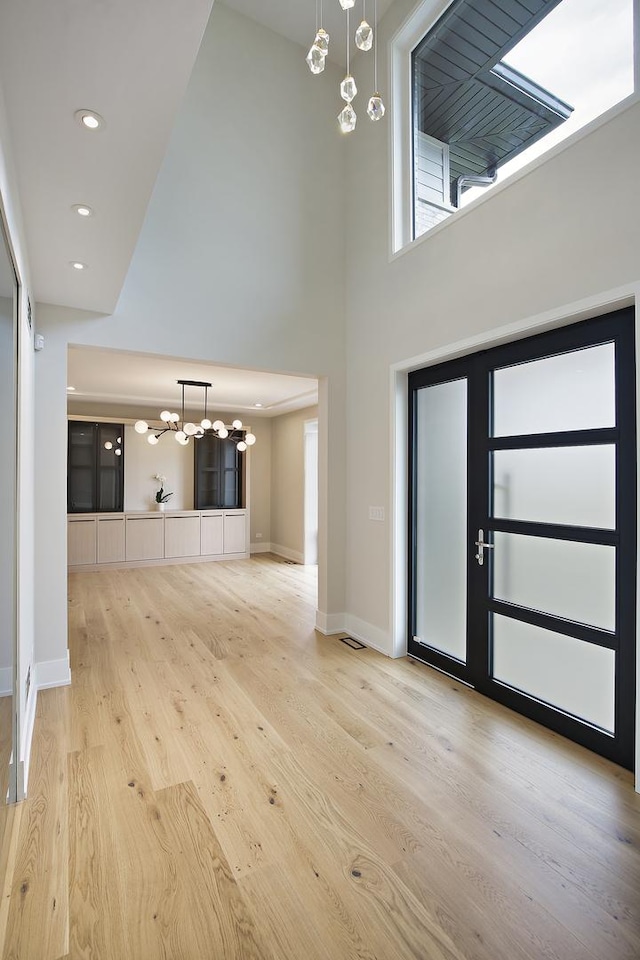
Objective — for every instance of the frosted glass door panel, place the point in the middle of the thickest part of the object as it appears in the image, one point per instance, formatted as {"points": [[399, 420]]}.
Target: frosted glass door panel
{"points": [[571, 391], [441, 517], [575, 486], [574, 676], [575, 581]]}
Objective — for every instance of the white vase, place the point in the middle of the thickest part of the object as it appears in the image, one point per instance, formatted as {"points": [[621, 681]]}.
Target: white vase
{"points": [[161, 506]]}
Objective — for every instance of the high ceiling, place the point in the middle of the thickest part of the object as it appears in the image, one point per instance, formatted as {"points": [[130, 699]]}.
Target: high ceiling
{"points": [[130, 61], [296, 19]]}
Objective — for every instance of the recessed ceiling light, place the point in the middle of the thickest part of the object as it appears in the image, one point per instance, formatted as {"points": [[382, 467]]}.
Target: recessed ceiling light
{"points": [[82, 210], [258, 404], [89, 119], [71, 389], [77, 265]]}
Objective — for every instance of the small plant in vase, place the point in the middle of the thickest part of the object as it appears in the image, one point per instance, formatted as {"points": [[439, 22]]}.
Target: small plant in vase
{"points": [[161, 497]]}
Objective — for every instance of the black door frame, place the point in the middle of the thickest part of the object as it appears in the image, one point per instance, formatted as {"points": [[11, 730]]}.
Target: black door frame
{"points": [[477, 368]]}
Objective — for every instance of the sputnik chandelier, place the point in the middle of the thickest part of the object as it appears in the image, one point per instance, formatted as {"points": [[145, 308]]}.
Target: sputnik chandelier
{"points": [[183, 430], [366, 37]]}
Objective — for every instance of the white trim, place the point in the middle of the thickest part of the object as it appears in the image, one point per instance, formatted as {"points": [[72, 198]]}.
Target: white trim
{"points": [[286, 553], [398, 511], [400, 47], [628, 295], [160, 562], [6, 681], [369, 634], [330, 623], [27, 741], [53, 673], [261, 547], [419, 22]]}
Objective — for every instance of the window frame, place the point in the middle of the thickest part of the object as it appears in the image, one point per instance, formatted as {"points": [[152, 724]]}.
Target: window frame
{"points": [[423, 17]]}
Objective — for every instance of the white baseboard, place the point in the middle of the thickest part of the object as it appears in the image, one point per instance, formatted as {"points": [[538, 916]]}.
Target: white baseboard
{"points": [[329, 623], [288, 554], [6, 681], [47, 674], [261, 547], [163, 562], [53, 673], [27, 740], [332, 623], [366, 633]]}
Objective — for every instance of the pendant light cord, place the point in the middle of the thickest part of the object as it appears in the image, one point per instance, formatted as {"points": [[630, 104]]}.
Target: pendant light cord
{"points": [[348, 73], [375, 46]]}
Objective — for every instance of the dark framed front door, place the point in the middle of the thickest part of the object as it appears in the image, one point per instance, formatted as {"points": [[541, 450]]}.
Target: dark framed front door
{"points": [[522, 527]]}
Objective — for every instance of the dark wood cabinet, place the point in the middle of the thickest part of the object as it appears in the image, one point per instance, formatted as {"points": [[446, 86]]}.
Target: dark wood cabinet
{"points": [[95, 467], [217, 474]]}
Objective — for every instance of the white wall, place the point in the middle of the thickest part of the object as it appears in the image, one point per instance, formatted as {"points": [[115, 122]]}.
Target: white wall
{"points": [[240, 261], [260, 473], [287, 483], [25, 707], [143, 461], [7, 485]]}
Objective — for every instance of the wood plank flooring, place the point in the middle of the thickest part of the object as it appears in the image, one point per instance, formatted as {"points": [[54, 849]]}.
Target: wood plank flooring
{"points": [[221, 782]]}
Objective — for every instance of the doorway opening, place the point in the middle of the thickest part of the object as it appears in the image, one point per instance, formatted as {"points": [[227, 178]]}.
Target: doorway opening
{"points": [[311, 492]]}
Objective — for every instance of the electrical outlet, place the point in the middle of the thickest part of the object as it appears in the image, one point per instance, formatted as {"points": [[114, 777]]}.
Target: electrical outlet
{"points": [[258, 536], [376, 513]]}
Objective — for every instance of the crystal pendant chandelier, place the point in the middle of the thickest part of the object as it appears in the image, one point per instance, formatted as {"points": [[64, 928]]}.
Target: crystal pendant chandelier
{"points": [[320, 46], [183, 429], [366, 38]]}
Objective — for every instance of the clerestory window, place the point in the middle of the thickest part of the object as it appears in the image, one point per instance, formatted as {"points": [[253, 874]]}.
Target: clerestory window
{"points": [[495, 83]]}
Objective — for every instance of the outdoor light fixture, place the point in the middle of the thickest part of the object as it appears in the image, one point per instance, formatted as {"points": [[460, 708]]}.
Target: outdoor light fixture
{"points": [[184, 429]]}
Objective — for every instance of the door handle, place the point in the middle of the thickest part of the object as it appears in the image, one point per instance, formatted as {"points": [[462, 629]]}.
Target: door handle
{"points": [[482, 546]]}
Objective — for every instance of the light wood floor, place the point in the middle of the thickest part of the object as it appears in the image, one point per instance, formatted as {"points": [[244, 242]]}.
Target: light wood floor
{"points": [[221, 782]]}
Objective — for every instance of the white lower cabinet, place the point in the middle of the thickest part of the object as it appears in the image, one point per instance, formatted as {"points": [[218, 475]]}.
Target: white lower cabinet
{"points": [[110, 540], [138, 537], [145, 538], [235, 533], [182, 536], [211, 533], [81, 541]]}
